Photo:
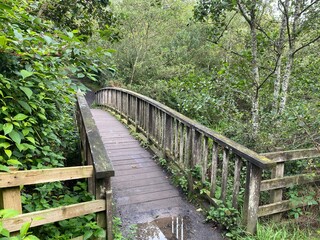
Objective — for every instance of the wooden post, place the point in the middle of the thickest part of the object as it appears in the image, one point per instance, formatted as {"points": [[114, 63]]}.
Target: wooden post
{"points": [[252, 196], [236, 182], [109, 215], [276, 195], [137, 115]]}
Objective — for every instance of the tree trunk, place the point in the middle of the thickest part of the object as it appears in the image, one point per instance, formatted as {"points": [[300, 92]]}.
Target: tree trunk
{"points": [[255, 73], [280, 50], [290, 58]]}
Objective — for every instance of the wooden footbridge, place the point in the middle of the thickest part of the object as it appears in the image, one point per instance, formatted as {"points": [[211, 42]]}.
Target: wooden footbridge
{"points": [[121, 171]]}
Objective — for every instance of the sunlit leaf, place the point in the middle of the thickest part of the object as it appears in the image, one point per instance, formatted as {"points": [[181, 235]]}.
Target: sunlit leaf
{"points": [[8, 152], [27, 91], [20, 117], [7, 128], [13, 162], [24, 229], [25, 74]]}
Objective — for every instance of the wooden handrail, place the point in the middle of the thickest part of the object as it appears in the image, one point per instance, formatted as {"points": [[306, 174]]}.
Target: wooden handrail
{"points": [[292, 155], [101, 162], [253, 157]]}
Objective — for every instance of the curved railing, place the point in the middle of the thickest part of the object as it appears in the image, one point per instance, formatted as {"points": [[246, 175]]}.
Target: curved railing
{"points": [[190, 144]]}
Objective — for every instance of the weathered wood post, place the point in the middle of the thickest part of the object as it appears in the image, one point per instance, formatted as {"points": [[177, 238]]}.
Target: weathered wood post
{"points": [[276, 195], [252, 196]]}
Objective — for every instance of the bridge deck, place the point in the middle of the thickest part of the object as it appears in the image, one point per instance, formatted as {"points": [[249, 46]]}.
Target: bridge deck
{"points": [[142, 191]]}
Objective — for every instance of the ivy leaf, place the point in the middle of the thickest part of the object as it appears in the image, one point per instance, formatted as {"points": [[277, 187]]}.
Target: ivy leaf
{"points": [[15, 136], [7, 128], [20, 117], [25, 74], [8, 152], [13, 162], [27, 91], [24, 229]]}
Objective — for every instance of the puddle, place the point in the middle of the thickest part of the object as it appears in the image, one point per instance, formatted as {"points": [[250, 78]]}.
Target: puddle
{"points": [[169, 228]]}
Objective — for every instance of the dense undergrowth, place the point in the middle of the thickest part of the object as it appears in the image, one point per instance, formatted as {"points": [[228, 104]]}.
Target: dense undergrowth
{"points": [[37, 126]]}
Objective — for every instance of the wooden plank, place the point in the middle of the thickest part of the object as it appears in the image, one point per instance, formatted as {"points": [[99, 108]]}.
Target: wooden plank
{"points": [[134, 177], [236, 181], [293, 155], [147, 197], [53, 214], [145, 189], [224, 177], [30, 177], [288, 181], [214, 165], [278, 207], [139, 183]]}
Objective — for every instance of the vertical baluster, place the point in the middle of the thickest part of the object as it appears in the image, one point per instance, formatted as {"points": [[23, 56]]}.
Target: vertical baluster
{"points": [[182, 142], [168, 133], [163, 131], [150, 122], [224, 178], [137, 114], [204, 158], [176, 139], [214, 165], [236, 182]]}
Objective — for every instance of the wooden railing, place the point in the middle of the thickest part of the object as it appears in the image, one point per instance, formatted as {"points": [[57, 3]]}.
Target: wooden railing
{"points": [[191, 145], [99, 171], [279, 181]]}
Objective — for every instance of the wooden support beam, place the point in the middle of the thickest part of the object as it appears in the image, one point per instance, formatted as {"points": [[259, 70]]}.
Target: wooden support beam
{"points": [[31, 177], [53, 215]]}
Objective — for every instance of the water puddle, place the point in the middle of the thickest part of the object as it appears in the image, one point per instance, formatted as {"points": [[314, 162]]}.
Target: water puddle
{"points": [[169, 228]]}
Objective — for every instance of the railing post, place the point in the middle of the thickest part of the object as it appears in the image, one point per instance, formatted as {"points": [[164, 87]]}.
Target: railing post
{"points": [[276, 195], [10, 197], [252, 196], [103, 191]]}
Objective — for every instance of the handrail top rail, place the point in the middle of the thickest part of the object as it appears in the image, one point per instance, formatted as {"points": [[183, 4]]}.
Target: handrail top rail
{"points": [[253, 157], [292, 155], [101, 162]]}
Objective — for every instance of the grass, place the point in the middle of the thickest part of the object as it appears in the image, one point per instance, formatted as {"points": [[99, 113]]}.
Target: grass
{"points": [[274, 231]]}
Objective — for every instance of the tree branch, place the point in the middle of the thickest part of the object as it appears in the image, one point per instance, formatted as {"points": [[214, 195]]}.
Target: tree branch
{"points": [[307, 7], [306, 45], [243, 13]]}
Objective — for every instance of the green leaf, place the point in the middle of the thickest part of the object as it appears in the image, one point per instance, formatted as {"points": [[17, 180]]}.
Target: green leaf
{"points": [[8, 213], [25, 105], [4, 137], [20, 117], [5, 145], [80, 75], [18, 35], [13, 162], [4, 168], [15, 136], [47, 39], [31, 237], [7, 128], [31, 139], [3, 41], [8, 152], [27, 91], [5, 233], [25, 74], [24, 229], [87, 235]]}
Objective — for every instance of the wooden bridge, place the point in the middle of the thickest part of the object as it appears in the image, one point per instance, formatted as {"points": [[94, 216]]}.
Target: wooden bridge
{"points": [[119, 167]]}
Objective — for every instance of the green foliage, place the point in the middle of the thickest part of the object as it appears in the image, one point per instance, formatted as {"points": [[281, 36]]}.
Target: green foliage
{"points": [[116, 230], [274, 231], [227, 217]]}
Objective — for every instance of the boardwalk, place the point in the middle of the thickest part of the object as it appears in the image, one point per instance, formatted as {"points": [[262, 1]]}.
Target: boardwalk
{"points": [[142, 192]]}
